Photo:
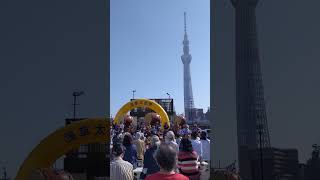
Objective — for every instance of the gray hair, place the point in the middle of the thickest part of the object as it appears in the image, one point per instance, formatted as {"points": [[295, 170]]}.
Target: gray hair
{"points": [[170, 136], [138, 135], [166, 157], [155, 141]]}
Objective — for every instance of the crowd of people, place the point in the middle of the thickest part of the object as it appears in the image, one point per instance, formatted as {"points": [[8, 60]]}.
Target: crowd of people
{"points": [[163, 153]]}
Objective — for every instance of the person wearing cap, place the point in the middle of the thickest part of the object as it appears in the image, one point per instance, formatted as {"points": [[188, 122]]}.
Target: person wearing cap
{"points": [[170, 139], [185, 132], [120, 169], [150, 165]]}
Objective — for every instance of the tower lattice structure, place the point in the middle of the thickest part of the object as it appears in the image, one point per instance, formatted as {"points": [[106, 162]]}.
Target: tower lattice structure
{"points": [[186, 60], [251, 109]]}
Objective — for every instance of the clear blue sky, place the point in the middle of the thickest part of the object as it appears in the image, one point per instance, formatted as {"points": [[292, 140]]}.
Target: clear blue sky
{"points": [[146, 45]]}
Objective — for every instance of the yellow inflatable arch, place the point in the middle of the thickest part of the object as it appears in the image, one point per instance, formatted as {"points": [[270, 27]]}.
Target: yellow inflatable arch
{"points": [[143, 103], [63, 140]]}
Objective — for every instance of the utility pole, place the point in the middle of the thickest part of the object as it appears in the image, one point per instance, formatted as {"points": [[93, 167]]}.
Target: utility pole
{"points": [[75, 94]]}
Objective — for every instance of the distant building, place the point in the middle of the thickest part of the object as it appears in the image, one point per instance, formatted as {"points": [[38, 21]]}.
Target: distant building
{"points": [[278, 164], [197, 115], [91, 160], [206, 115]]}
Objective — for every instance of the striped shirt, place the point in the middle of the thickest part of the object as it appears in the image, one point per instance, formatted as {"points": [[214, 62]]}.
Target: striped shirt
{"points": [[188, 164], [121, 170]]}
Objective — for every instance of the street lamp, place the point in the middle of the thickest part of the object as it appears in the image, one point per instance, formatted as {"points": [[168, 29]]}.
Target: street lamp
{"points": [[75, 94], [133, 91], [168, 95]]}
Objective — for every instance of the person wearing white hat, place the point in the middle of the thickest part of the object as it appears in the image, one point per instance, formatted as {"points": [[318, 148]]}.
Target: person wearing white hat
{"points": [[170, 139]]}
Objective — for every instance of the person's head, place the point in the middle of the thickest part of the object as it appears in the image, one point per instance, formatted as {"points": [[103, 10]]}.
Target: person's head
{"points": [[166, 126], [203, 135], [155, 141], [186, 136], [185, 145], [166, 157], [154, 132], [185, 133], [138, 135], [161, 138], [177, 135], [127, 139], [117, 150], [194, 135], [170, 136]]}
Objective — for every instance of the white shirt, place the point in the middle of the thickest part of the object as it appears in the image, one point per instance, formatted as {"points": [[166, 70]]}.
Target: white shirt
{"points": [[121, 170], [197, 146], [205, 149]]}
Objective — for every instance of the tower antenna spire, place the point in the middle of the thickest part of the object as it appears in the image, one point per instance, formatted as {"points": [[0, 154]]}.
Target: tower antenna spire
{"points": [[186, 60], [185, 22]]}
